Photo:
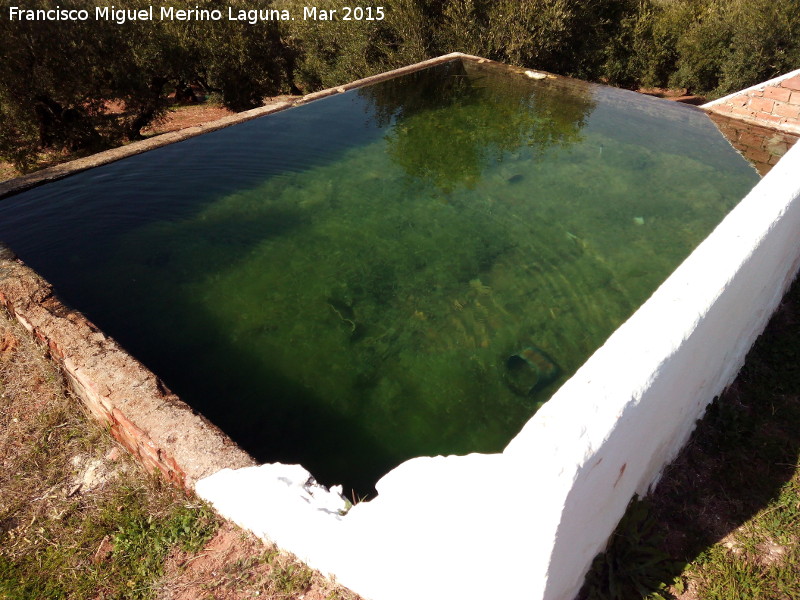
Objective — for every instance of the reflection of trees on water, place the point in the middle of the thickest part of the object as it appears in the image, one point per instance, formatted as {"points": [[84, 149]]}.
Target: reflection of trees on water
{"points": [[452, 121]]}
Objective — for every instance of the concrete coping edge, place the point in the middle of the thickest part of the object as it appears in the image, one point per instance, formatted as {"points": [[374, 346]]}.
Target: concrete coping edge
{"points": [[161, 431]]}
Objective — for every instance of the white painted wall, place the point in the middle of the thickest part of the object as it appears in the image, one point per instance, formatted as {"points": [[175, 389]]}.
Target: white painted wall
{"points": [[526, 523], [642, 392]]}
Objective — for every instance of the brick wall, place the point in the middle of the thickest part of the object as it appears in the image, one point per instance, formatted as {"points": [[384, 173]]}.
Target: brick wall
{"points": [[762, 146], [774, 103], [162, 432]]}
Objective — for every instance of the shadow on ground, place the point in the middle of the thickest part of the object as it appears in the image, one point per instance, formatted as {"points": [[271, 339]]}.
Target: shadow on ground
{"points": [[740, 457]]}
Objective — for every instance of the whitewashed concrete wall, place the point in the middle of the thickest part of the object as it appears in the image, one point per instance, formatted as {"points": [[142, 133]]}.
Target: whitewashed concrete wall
{"points": [[639, 396], [526, 523]]}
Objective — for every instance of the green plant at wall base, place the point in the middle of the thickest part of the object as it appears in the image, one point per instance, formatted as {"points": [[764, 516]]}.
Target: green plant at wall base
{"points": [[141, 534], [292, 578], [633, 565], [142, 541]]}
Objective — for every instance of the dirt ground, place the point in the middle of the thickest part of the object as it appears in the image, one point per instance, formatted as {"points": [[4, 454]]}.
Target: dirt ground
{"points": [[60, 476], [180, 117], [233, 565]]}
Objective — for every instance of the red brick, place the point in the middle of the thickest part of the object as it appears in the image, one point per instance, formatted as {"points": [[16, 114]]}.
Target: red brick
{"points": [[758, 155], [730, 133], [759, 130], [793, 83], [771, 118], [761, 105], [795, 99], [726, 129], [777, 93], [742, 112], [762, 168], [739, 100], [786, 110], [749, 139], [773, 160], [730, 137]]}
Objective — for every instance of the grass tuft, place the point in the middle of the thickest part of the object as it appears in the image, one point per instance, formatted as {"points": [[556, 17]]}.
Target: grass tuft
{"points": [[51, 524], [119, 533], [634, 565]]}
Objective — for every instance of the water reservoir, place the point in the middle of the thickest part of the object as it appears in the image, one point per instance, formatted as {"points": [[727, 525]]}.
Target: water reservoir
{"points": [[408, 268]]}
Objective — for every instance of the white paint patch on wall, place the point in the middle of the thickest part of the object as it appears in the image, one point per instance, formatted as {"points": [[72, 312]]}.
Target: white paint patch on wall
{"points": [[526, 523]]}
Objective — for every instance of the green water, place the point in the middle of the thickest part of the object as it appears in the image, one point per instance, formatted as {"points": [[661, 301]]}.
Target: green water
{"points": [[361, 310]]}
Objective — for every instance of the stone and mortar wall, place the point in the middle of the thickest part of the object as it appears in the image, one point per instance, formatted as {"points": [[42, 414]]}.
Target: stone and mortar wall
{"points": [[774, 103], [162, 432], [762, 146]]}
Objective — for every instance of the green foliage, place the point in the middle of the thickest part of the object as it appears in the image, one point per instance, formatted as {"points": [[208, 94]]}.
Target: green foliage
{"points": [[730, 45], [644, 51], [244, 63], [464, 28], [532, 32], [142, 534], [633, 565], [702, 47], [726, 577], [14, 586], [326, 53], [293, 578], [764, 44], [57, 79], [46, 78], [141, 542]]}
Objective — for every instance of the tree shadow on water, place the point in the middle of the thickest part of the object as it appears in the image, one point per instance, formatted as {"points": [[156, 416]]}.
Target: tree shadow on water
{"points": [[271, 415], [278, 419]]}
